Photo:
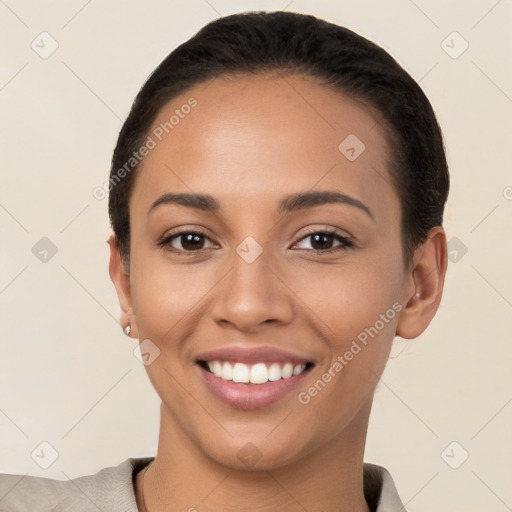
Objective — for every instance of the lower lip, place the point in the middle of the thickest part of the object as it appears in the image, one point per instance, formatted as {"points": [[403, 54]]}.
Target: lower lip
{"points": [[240, 395]]}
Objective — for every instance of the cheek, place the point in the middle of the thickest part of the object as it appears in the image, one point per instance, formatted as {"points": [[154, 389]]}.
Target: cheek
{"points": [[358, 309], [156, 302], [351, 296], [169, 298], [166, 296]]}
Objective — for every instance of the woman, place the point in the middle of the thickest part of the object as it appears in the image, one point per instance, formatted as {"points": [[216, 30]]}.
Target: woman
{"points": [[276, 197]]}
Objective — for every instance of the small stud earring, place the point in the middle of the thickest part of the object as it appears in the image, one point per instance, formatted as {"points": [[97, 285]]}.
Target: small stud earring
{"points": [[127, 330]]}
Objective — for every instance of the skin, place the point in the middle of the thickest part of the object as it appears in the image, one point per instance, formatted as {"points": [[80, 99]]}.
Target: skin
{"points": [[249, 142]]}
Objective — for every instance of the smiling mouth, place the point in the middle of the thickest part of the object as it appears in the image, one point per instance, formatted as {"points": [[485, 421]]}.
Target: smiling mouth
{"points": [[258, 373]]}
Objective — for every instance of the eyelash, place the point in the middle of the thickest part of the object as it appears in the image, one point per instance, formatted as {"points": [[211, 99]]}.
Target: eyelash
{"points": [[346, 243]]}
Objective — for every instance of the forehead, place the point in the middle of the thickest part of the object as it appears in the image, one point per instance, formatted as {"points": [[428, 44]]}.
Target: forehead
{"points": [[262, 136]]}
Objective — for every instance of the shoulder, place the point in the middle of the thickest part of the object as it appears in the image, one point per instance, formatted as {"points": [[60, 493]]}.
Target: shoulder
{"points": [[379, 489], [110, 488]]}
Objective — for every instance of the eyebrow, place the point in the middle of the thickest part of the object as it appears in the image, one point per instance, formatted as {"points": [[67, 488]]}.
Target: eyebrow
{"points": [[291, 203]]}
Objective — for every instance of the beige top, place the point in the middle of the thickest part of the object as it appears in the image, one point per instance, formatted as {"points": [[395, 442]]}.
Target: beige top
{"points": [[112, 490]]}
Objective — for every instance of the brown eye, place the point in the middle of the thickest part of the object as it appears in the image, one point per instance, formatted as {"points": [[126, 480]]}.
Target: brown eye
{"points": [[186, 241], [322, 241], [191, 241]]}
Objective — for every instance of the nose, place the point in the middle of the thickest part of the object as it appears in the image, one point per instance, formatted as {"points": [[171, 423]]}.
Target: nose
{"points": [[253, 295]]}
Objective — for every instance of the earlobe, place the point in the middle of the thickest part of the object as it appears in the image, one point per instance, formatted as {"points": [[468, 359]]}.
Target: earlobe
{"points": [[121, 280], [424, 286]]}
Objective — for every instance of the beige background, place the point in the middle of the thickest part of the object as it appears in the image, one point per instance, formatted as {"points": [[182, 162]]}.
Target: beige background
{"points": [[68, 376]]}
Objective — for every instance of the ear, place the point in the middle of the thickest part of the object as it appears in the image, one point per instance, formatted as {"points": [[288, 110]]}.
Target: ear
{"points": [[423, 285], [121, 279]]}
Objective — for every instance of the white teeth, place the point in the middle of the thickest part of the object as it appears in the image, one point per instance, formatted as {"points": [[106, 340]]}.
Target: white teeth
{"points": [[227, 372], [287, 371], [274, 372], [298, 369], [241, 373], [217, 369], [258, 373]]}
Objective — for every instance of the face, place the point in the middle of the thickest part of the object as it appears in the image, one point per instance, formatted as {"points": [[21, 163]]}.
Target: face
{"points": [[292, 263]]}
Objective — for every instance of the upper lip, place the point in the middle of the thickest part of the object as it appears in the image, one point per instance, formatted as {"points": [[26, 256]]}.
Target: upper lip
{"points": [[251, 355]]}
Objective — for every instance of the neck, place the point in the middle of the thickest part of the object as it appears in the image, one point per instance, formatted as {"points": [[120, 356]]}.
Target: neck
{"points": [[329, 477]]}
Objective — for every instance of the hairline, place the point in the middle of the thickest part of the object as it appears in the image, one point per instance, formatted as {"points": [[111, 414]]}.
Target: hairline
{"points": [[388, 133]]}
